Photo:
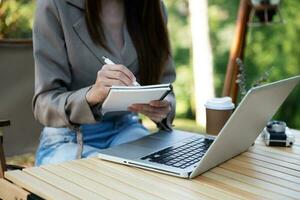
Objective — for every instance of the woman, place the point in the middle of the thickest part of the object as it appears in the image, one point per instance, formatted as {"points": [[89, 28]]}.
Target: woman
{"points": [[70, 38]]}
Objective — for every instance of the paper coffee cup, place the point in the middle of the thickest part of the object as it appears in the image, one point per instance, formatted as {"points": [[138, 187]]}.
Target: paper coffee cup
{"points": [[218, 111]]}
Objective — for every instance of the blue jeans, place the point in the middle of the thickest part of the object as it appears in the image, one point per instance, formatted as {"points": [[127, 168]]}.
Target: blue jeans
{"points": [[59, 144]]}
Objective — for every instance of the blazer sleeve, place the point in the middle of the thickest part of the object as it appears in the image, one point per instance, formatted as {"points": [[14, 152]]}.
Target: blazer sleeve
{"points": [[54, 104], [169, 76]]}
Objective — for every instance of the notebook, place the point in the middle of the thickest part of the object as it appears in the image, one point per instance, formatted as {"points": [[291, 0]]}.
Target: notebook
{"points": [[121, 97]]}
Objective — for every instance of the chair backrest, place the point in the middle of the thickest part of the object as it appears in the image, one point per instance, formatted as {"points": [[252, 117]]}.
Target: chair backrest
{"points": [[16, 92]]}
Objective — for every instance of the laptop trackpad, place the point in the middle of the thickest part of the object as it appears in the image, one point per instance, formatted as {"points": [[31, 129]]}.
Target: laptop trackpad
{"points": [[146, 145], [161, 139]]}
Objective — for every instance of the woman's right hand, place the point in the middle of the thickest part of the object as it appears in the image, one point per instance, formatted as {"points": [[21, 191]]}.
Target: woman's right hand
{"points": [[108, 76]]}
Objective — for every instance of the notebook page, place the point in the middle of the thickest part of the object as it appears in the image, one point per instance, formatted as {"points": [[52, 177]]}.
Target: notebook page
{"points": [[120, 99]]}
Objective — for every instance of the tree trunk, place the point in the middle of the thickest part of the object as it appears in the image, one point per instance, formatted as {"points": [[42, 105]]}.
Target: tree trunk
{"points": [[202, 57]]}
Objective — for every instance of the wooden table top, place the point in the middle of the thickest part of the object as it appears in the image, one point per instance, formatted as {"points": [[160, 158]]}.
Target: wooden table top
{"points": [[261, 173]]}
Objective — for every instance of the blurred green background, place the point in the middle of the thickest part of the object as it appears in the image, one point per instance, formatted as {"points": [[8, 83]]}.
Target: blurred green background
{"points": [[267, 46], [270, 46]]}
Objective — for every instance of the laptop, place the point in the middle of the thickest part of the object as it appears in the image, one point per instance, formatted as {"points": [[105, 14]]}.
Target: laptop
{"points": [[186, 154]]}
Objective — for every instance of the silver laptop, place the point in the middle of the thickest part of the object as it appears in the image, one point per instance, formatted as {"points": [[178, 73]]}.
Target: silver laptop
{"points": [[187, 155]]}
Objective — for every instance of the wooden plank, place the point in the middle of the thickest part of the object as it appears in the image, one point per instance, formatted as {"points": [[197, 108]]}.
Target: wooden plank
{"points": [[296, 132], [265, 194], [207, 187], [281, 151], [261, 176], [272, 160], [140, 180], [257, 183], [60, 182], [280, 173], [10, 191], [16, 41], [276, 156], [118, 185], [229, 188], [101, 189], [268, 165], [162, 188], [258, 194], [244, 186], [37, 186], [230, 87], [295, 147], [2, 160]]}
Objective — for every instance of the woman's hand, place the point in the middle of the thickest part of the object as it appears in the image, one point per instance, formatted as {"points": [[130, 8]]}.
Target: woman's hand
{"points": [[108, 76], [155, 110]]}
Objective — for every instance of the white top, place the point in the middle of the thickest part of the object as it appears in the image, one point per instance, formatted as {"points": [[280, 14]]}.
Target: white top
{"points": [[224, 103]]}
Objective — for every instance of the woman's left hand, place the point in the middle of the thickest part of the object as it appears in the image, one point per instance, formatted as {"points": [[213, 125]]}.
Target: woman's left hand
{"points": [[155, 110]]}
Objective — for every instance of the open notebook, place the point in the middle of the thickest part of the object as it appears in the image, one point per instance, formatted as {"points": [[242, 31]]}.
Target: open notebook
{"points": [[121, 97]]}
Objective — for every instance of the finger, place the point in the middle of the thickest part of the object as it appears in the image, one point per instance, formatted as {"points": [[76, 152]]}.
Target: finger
{"points": [[122, 69], [143, 107], [118, 76], [150, 111], [160, 103], [111, 82], [105, 80], [165, 110], [154, 117], [157, 120], [132, 109]]}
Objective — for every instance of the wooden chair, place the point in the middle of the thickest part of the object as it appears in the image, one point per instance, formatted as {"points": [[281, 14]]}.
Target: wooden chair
{"points": [[237, 50], [2, 157], [239, 43], [17, 88], [3, 166]]}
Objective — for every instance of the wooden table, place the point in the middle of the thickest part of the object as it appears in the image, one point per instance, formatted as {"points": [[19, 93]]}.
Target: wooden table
{"points": [[261, 173]]}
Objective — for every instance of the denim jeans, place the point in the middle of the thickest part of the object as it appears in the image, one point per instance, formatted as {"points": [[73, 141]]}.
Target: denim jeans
{"points": [[59, 144]]}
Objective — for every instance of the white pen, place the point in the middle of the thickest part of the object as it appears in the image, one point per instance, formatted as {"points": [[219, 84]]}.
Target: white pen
{"points": [[109, 62]]}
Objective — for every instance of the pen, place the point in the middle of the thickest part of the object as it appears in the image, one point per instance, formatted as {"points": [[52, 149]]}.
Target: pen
{"points": [[109, 62]]}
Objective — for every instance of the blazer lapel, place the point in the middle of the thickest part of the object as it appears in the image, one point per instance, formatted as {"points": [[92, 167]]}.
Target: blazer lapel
{"points": [[81, 30], [77, 3], [128, 54]]}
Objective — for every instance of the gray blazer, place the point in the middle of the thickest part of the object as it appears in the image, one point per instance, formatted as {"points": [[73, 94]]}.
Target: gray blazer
{"points": [[67, 62]]}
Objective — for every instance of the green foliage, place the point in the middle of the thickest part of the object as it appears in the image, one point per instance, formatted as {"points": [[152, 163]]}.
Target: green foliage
{"points": [[267, 46], [280, 50], [16, 18], [222, 25], [179, 29]]}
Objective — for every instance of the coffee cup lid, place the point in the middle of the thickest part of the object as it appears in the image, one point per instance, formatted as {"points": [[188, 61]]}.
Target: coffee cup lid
{"points": [[224, 103]]}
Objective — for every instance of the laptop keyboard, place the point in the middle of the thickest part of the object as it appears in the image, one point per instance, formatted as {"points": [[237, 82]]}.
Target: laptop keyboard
{"points": [[182, 155]]}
